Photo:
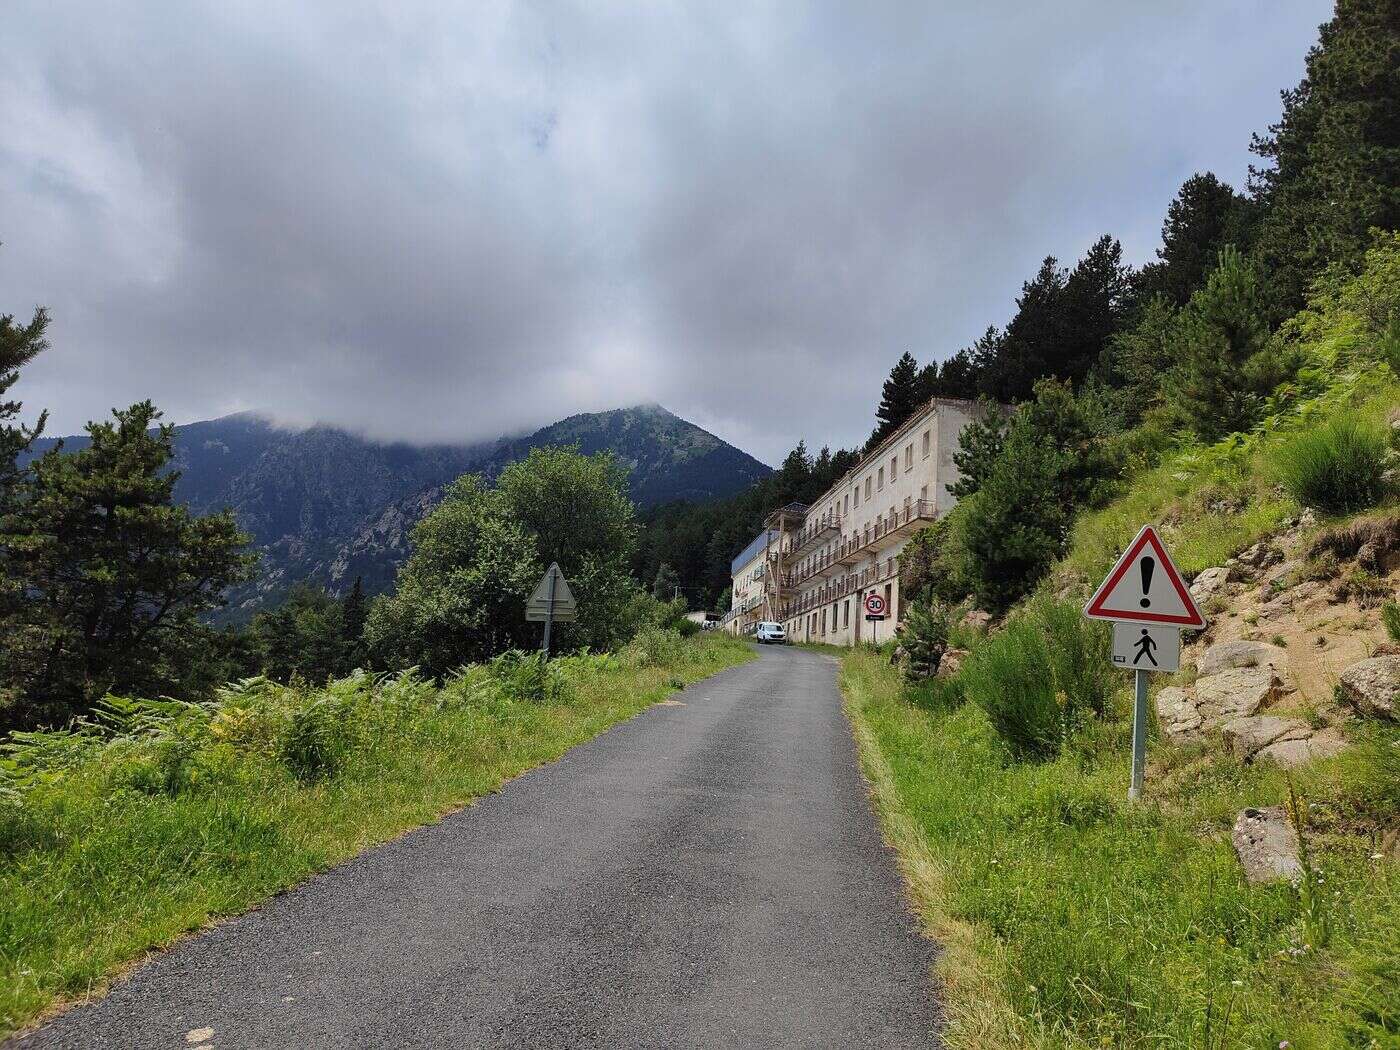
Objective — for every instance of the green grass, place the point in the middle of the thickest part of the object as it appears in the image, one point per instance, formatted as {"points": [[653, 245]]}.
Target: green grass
{"points": [[113, 846], [1337, 467], [1071, 917]]}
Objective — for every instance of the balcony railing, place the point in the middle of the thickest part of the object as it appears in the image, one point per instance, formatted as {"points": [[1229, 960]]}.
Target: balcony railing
{"points": [[840, 588], [812, 534], [878, 534]]}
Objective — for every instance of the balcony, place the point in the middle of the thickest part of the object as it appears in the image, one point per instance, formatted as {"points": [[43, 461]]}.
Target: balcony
{"points": [[813, 534], [840, 588]]}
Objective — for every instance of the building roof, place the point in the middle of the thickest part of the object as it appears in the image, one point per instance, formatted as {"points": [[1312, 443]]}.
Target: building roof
{"points": [[751, 551]]}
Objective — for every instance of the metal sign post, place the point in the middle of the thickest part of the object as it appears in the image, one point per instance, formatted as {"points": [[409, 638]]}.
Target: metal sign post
{"points": [[1148, 608], [552, 601], [549, 613]]}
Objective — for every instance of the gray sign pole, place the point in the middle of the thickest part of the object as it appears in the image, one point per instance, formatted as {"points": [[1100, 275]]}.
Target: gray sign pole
{"points": [[549, 614], [1139, 735]]}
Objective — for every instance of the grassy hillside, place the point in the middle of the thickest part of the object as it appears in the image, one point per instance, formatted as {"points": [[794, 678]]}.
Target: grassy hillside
{"points": [[1071, 917]]}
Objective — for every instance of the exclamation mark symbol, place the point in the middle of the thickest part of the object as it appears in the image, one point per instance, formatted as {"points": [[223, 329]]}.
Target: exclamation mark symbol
{"points": [[1146, 566]]}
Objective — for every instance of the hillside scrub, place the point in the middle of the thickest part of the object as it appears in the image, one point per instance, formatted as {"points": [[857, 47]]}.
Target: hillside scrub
{"points": [[157, 816], [1070, 917]]}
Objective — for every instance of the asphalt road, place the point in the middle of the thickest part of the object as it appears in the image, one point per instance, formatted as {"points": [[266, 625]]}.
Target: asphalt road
{"points": [[708, 874]]}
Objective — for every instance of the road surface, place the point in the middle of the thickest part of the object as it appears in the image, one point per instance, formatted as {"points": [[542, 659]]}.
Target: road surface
{"points": [[707, 874]]}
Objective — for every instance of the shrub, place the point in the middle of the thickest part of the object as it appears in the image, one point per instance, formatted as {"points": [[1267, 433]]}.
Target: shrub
{"points": [[1390, 616], [1079, 654], [937, 695], [524, 677], [1338, 467], [652, 647], [923, 639], [318, 739], [1041, 677], [1009, 677]]}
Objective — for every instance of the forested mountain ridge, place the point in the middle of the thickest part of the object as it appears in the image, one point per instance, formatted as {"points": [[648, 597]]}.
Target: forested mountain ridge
{"points": [[326, 506]]}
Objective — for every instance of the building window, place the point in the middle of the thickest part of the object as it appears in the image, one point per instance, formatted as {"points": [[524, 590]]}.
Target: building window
{"points": [[894, 468], [846, 613], [867, 488], [926, 444], [909, 457], [881, 482]]}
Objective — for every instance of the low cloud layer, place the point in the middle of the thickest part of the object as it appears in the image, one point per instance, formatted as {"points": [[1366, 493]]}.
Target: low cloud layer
{"points": [[436, 224]]}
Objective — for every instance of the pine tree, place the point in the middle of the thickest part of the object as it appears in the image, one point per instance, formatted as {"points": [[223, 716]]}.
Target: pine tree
{"points": [[113, 574], [19, 344], [667, 585], [353, 611], [1204, 216], [899, 399], [1335, 153], [1221, 345]]}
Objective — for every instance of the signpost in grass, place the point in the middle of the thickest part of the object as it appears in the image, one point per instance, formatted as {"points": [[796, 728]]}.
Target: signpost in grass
{"points": [[1147, 601], [552, 602]]}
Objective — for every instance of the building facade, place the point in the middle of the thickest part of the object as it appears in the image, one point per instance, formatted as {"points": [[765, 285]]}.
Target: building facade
{"points": [[821, 561], [748, 580]]}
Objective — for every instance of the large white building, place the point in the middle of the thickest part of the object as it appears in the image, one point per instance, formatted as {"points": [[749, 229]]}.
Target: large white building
{"points": [[812, 567]]}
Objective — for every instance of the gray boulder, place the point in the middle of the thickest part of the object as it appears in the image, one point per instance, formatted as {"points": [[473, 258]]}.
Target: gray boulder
{"points": [[1236, 692], [951, 663], [1246, 737], [1267, 845], [1371, 686], [1210, 582], [1224, 655], [1177, 714], [1292, 753]]}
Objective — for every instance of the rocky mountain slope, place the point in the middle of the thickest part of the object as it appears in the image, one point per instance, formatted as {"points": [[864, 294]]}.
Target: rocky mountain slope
{"points": [[324, 505]]}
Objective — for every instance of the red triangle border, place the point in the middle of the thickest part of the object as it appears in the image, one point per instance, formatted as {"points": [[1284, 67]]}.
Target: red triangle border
{"points": [[1147, 537]]}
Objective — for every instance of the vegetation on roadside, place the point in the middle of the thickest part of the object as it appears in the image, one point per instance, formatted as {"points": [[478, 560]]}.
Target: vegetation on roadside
{"points": [[154, 817], [1069, 917]]}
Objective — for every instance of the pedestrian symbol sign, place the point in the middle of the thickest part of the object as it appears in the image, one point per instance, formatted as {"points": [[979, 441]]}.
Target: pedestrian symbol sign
{"points": [[1143, 647], [1144, 587]]}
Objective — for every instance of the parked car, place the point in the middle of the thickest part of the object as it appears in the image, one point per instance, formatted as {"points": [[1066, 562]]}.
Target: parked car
{"points": [[770, 632]]}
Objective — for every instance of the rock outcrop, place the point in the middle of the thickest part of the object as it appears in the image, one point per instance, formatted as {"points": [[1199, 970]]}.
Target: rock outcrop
{"points": [[1372, 686], [1267, 845]]}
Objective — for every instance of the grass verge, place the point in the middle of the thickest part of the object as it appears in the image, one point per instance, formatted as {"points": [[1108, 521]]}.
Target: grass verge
{"points": [[117, 842], [1069, 917]]}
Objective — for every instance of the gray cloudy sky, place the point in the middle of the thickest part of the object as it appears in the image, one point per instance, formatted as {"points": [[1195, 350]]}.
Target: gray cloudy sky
{"points": [[440, 222]]}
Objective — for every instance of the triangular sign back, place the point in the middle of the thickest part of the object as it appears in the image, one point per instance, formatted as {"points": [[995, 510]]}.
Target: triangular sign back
{"points": [[1144, 587], [563, 597]]}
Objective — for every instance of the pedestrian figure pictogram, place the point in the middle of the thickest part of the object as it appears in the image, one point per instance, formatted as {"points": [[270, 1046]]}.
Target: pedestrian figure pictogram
{"points": [[1145, 647]]}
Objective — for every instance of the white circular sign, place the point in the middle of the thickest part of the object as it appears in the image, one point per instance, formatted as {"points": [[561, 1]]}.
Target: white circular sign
{"points": [[874, 605]]}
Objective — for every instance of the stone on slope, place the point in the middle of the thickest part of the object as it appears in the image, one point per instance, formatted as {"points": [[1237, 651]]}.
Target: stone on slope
{"points": [[1235, 693], [1209, 582], [1246, 737], [1242, 653], [951, 663], [1371, 686], [1267, 845], [1292, 753], [1177, 714]]}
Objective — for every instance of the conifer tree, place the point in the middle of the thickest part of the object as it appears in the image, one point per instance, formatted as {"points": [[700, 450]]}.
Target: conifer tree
{"points": [[113, 575], [899, 399], [1335, 153], [1204, 216]]}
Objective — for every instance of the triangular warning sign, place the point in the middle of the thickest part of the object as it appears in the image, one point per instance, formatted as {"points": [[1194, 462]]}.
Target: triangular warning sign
{"points": [[563, 597], [1144, 587]]}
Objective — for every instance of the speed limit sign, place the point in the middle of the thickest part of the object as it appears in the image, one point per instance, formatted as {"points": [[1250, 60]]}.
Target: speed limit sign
{"points": [[874, 607]]}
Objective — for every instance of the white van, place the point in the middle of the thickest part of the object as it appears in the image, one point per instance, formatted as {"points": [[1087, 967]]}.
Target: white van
{"points": [[768, 631]]}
